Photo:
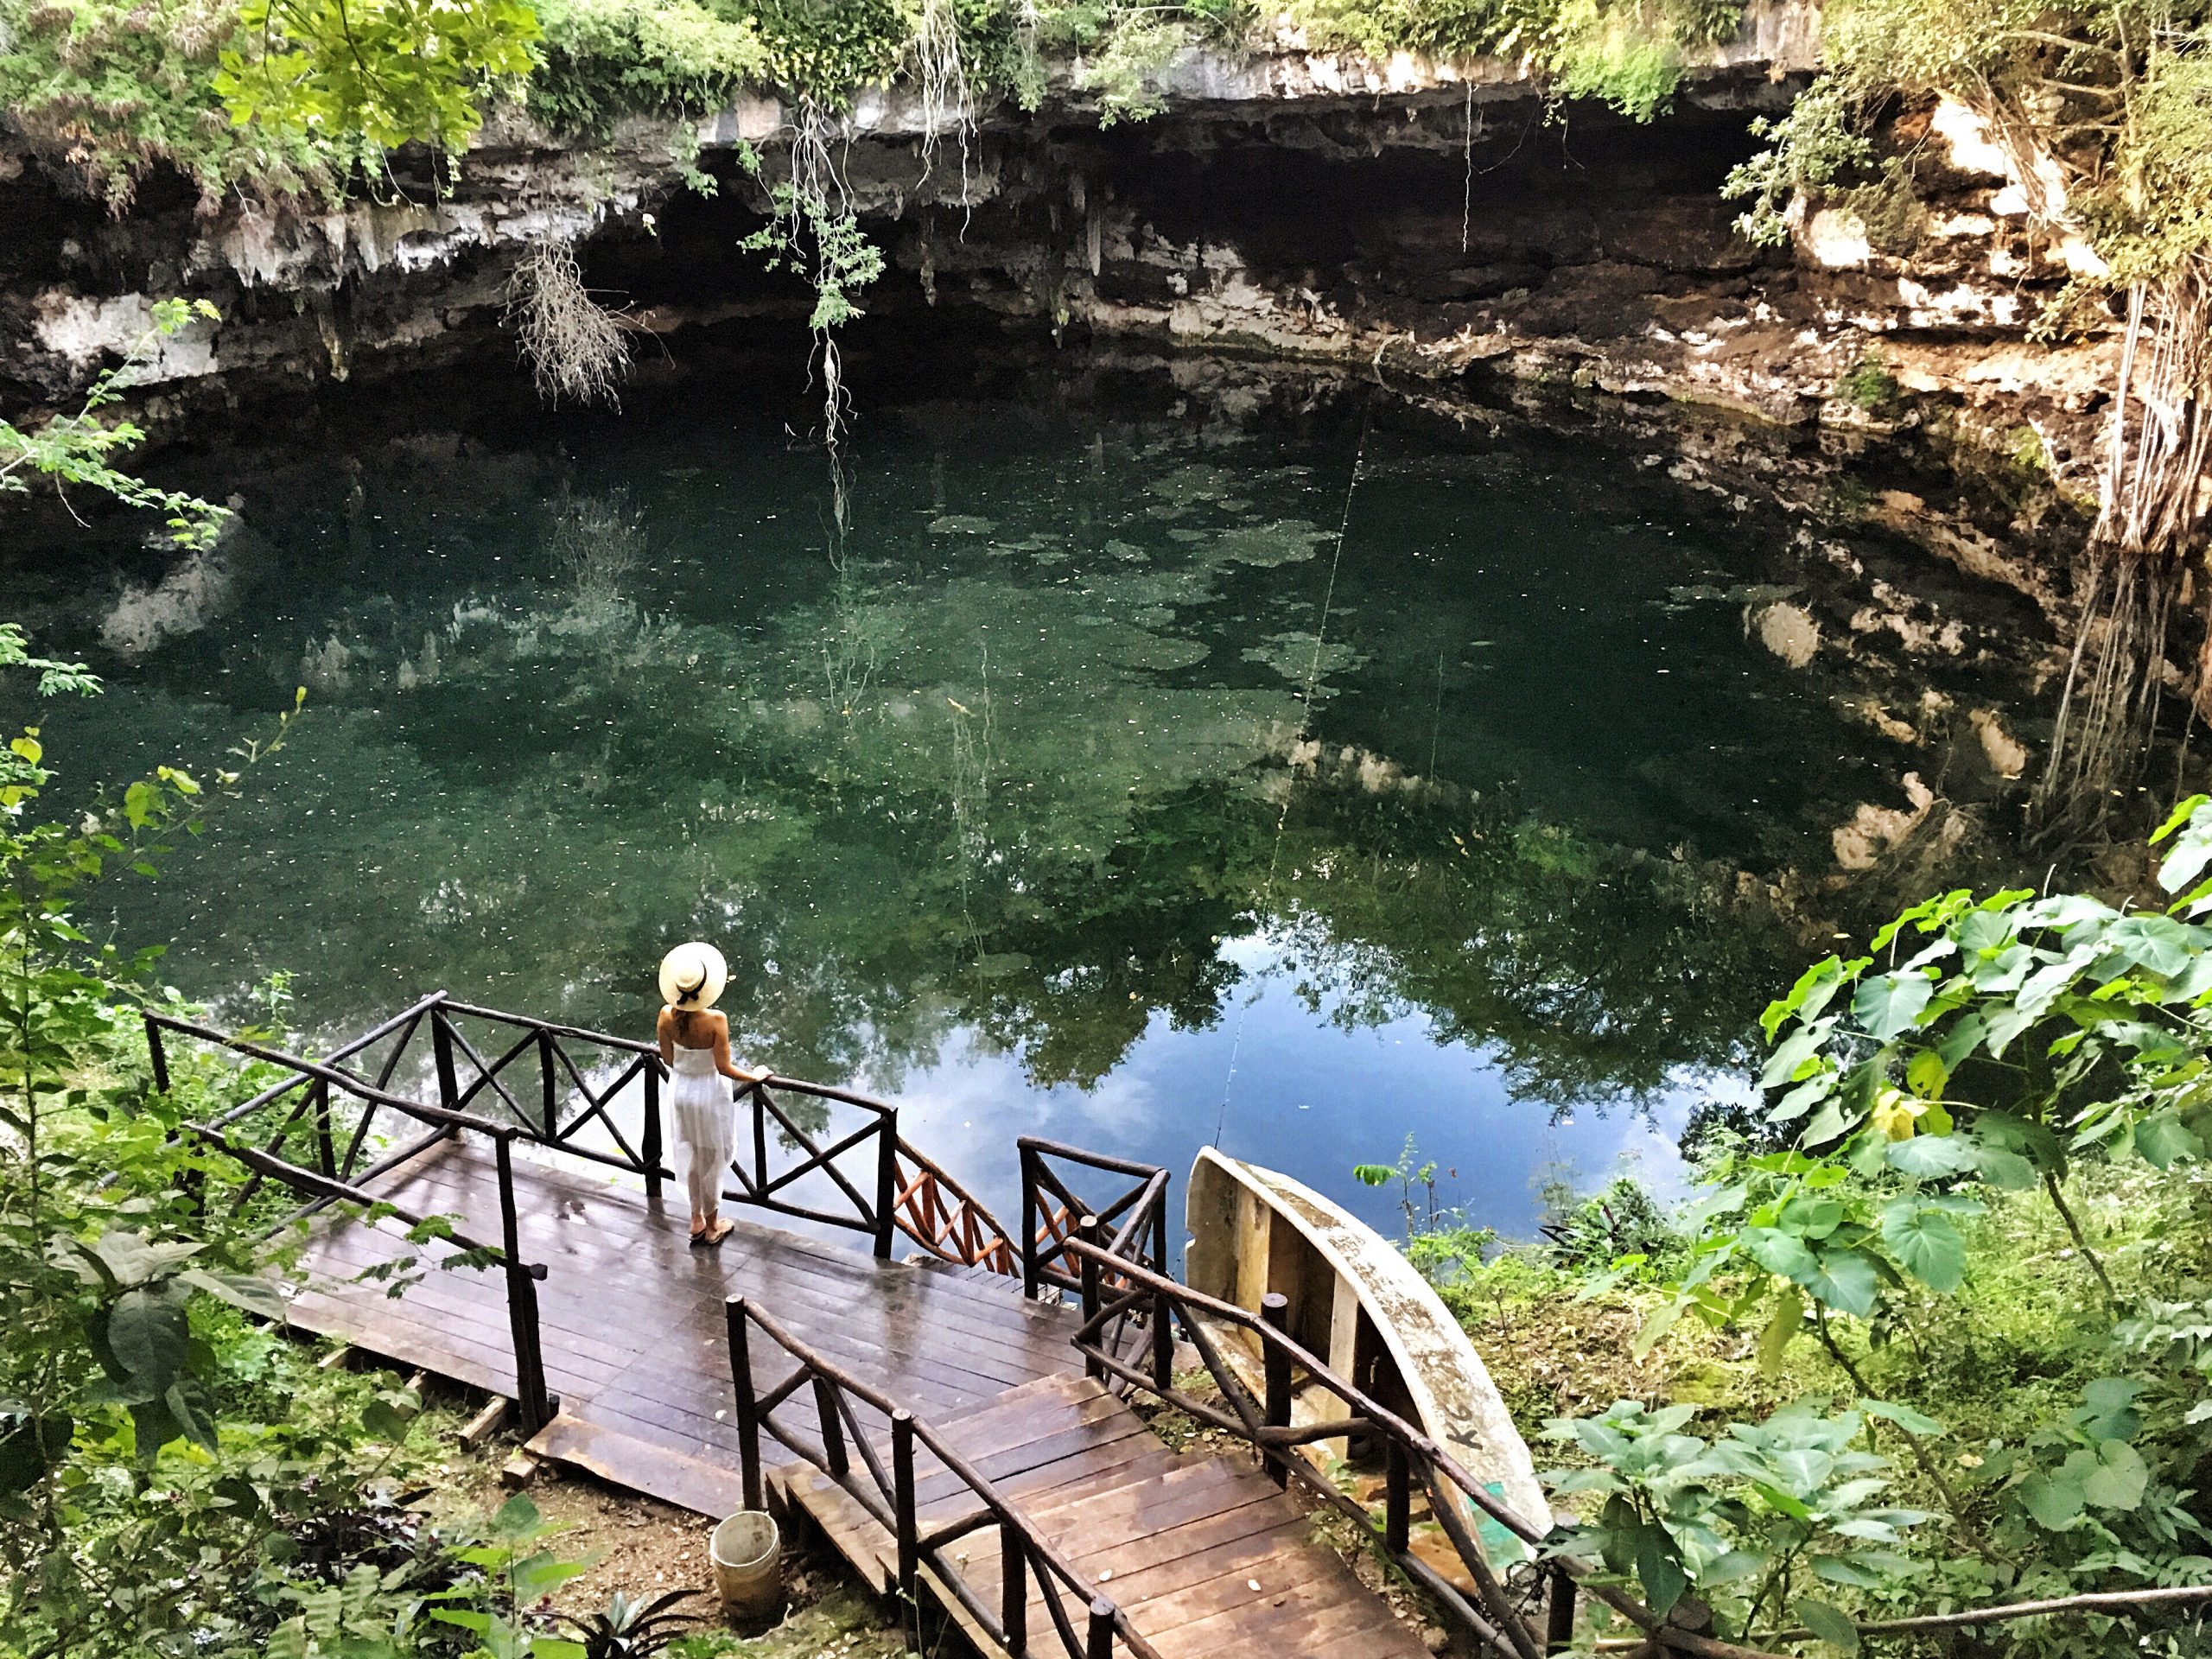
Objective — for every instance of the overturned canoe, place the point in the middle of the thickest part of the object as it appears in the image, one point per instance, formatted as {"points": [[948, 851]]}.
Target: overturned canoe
{"points": [[1357, 1303]]}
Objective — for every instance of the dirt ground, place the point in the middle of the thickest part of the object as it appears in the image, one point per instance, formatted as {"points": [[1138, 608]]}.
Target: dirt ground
{"points": [[644, 1549]]}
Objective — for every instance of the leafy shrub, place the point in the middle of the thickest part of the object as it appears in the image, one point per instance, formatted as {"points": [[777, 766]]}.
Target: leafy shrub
{"points": [[599, 59], [1869, 385], [116, 89], [1992, 1226]]}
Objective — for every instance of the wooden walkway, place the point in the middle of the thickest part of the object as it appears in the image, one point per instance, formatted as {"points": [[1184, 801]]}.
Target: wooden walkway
{"points": [[1205, 1556], [634, 1332]]}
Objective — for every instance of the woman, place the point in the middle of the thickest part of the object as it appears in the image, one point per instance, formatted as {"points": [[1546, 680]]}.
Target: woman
{"points": [[695, 1046]]}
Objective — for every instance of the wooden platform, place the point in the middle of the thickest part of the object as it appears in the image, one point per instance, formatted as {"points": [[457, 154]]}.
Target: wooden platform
{"points": [[634, 1332]]}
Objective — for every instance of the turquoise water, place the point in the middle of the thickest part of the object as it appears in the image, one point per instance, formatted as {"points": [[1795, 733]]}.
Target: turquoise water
{"points": [[1302, 783]]}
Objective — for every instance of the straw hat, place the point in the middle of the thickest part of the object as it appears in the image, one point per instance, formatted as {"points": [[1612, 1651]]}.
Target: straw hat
{"points": [[692, 975]]}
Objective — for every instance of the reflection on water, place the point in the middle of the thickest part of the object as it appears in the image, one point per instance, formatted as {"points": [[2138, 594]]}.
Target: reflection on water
{"points": [[1082, 785]]}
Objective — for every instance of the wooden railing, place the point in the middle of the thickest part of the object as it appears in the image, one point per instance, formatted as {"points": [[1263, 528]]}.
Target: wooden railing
{"points": [[942, 1216], [1125, 1288], [880, 1469], [559, 1101], [1052, 1211], [328, 1096]]}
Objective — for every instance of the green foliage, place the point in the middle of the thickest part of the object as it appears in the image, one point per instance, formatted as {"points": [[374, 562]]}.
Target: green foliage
{"points": [[1627, 53], [820, 240], [2114, 95], [628, 1629], [1623, 1219], [827, 49], [113, 89], [1755, 1520], [1868, 384], [1988, 1060], [386, 72], [76, 449], [599, 60], [1815, 143], [1137, 45]]}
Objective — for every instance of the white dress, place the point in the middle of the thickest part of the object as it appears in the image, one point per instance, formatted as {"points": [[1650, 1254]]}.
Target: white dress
{"points": [[699, 1106]]}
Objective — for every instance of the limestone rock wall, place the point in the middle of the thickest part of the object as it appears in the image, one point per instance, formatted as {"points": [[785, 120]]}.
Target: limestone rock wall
{"points": [[1430, 219]]}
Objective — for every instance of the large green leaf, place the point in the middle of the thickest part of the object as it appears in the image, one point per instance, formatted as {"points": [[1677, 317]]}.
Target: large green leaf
{"points": [[1933, 1156], [2165, 1140], [1845, 1280], [2116, 1478], [1658, 1564], [1891, 1003], [1926, 1241], [1826, 1623], [147, 1332], [2158, 944], [1781, 1253]]}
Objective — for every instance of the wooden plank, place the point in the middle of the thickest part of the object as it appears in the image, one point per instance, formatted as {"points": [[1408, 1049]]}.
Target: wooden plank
{"points": [[689, 1483]]}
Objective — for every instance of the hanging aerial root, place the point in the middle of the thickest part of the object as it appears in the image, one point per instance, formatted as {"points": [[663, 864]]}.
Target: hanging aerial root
{"points": [[575, 347], [2149, 517]]}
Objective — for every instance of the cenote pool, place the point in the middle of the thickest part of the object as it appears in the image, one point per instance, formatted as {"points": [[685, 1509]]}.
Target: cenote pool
{"points": [[1111, 775]]}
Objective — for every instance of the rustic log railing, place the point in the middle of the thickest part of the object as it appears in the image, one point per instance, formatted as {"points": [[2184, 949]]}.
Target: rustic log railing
{"points": [[335, 1177], [941, 1216], [1052, 1210], [878, 1469], [1411, 1460]]}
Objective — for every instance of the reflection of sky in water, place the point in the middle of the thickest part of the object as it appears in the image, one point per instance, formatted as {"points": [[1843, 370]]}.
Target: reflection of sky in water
{"points": [[1296, 1093]]}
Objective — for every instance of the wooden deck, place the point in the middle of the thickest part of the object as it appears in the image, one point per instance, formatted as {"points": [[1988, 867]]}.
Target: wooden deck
{"points": [[633, 1317]]}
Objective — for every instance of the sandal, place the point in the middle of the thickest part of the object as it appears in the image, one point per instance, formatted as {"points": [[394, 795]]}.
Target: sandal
{"points": [[715, 1235]]}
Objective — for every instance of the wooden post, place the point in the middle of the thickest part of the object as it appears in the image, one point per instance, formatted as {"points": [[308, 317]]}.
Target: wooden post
{"points": [[1098, 1641], [158, 1054], [1028, 1225], [1274, 1308], [758, 1092], [522, 1300], [326, 1151], [545, 1067], [1559, 1616], [652, 1141], [1163, 1342], [1397, 1502], [1014, 1587], [886, 1183], [1088, 1230], [833, 1427], [442, 1050], [902, 1481], [749, 1420]]}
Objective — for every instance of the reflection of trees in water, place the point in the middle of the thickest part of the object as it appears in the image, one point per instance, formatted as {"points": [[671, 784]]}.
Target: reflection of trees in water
{"points": [[997, 780], [844, 876]]}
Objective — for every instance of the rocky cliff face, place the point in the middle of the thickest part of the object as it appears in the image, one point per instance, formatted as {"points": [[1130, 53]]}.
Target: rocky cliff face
{"points": [[1430, 221], [1428, 216]]}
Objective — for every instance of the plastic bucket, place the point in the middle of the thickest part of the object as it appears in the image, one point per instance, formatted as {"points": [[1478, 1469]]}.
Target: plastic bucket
{"points": [[748, 1557]]}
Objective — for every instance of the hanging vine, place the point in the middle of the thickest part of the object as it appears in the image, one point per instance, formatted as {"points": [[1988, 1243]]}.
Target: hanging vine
{"points": [[815, 233]]}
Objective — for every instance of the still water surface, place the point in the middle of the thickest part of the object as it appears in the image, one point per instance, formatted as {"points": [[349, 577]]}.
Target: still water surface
{"points": [[1087, 783]]}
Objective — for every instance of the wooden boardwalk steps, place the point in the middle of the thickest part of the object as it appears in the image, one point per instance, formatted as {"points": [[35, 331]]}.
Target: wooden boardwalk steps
{"points": [[1201, 1553], [949, 1423]]}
